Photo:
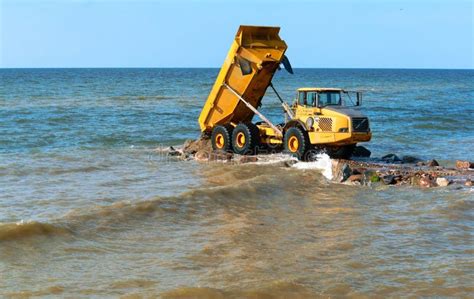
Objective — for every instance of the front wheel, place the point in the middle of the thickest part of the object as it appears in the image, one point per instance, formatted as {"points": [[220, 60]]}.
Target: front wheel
{"points": [[296, 142]]}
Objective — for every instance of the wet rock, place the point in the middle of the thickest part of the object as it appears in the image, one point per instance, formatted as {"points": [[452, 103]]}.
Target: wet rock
{"points": [[341, 171], [432, 163], [468, 183], [410, 159], [391, 158], [248, 159], [361, 151], [201, 155], [355, 178], [174, 152], [429, 163], [464, 164], [388, 179], [370, 177], [426, 182], [290, 163], [220, 156], [442, 182], [359, 170]]}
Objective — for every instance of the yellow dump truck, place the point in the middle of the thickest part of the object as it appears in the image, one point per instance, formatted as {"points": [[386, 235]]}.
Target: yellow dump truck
{"points": [[319, 118]]}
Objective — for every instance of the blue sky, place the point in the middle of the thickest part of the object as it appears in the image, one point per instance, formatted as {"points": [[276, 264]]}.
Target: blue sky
{"points": [[338, 34]]}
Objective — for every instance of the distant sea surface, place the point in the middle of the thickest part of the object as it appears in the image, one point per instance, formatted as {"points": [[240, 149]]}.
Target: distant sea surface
{"points": [[89, 208]]}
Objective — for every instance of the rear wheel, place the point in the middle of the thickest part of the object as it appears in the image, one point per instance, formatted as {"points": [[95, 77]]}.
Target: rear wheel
{"points": [[220, 138], [245, 139], [296, 142]]}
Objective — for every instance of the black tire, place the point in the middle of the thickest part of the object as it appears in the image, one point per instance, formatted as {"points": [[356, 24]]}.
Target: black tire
{"points": [[296, 142], [341, 152], [221, 138], [245, 139]]}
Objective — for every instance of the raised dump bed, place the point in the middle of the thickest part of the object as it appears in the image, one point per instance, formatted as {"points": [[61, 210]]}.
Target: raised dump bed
{"points": [[248, 69]]}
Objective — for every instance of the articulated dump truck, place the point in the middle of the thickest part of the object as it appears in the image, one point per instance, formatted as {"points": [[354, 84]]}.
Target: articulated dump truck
{"points": [[320, 119]]}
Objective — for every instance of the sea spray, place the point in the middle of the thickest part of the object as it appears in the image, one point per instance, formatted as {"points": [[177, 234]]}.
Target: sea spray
{"points": [[322, 162]]}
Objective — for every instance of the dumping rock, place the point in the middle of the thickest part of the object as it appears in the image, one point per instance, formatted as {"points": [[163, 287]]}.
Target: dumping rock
{"points": [[191, 147]]}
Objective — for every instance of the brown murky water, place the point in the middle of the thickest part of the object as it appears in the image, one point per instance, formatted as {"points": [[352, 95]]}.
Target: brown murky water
{"points": [[258, 231], [88, 209]]}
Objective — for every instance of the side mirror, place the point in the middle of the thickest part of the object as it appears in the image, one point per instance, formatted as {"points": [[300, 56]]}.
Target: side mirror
{"points": [[359, 98]]}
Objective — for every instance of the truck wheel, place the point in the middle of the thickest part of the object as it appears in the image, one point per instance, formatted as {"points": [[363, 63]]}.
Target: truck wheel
{"points": [[296, 142], [220, 138], [245, 139]]}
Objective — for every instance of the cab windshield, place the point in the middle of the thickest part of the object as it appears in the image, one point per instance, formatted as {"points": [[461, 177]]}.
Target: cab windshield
{"points": [[320, 99], [329, 98]]}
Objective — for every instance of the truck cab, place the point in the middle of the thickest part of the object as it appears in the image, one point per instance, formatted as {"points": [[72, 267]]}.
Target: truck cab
{"points": [[328, 116]]}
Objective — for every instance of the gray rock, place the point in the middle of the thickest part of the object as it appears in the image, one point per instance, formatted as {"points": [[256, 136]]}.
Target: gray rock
{"points": [[173, 152], [388, 179], [341, 171], [391, 158]]}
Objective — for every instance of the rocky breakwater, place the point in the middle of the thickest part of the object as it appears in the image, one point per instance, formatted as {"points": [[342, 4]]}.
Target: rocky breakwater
{"points": [[361, 170], [408, 170]]}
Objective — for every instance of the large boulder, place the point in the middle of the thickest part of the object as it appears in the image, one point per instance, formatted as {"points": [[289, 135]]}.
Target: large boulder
{"points": [[361, 151], [341, 171]]}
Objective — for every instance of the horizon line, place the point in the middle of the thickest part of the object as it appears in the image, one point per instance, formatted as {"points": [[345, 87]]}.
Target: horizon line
{"points": [[181, 67]]}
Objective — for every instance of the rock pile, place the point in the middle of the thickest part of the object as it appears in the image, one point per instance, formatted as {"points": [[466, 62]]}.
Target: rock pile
{"points": [[426, 174], [388, 170]]}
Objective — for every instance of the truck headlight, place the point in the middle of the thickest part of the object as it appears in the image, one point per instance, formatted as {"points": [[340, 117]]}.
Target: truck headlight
{"points": [[309, 123]]}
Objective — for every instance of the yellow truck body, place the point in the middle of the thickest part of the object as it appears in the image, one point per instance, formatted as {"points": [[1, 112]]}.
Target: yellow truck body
{"points": [[254, 56], [263, 47]]}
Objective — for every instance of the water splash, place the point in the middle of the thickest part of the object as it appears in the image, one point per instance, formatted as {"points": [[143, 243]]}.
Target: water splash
{"points": [[322, 162]]}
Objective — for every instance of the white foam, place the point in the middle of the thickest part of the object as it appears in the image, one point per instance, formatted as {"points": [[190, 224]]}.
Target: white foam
{"points": [[323, 163]]}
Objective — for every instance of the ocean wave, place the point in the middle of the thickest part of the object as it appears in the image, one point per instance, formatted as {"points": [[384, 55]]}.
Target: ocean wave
{"points": [[20, 230]]}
